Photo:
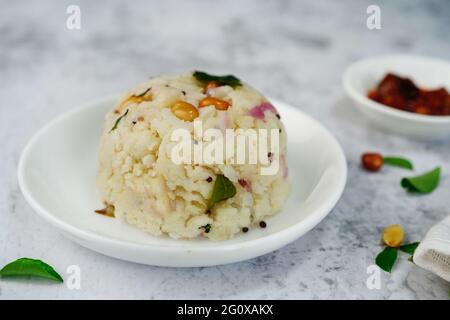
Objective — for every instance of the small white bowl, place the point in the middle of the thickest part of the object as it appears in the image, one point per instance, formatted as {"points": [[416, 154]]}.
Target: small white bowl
{"points": [[429, 73], [57, 172]]}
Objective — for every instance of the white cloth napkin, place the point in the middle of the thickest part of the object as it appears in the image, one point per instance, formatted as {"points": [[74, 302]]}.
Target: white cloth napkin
{"points": [[433, 253]]}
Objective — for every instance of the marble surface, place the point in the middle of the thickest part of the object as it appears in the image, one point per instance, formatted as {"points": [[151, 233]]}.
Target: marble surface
{"points": [[293, 50]]}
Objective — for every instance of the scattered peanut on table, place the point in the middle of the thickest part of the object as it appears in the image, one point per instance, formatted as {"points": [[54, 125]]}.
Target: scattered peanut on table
{"points": [[393, 235], [372, 161]]}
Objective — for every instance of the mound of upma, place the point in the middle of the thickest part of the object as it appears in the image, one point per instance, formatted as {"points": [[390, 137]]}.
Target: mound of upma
{"points": [[148, 180]]}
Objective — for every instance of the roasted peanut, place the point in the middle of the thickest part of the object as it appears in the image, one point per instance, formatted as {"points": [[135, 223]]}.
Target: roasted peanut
{"points": [[393, 235], [372, 161], [217, 103], [184, 111]]}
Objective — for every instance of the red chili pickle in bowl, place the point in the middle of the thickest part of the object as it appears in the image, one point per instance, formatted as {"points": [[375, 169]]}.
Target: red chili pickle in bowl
{"points": [[402, 94]]}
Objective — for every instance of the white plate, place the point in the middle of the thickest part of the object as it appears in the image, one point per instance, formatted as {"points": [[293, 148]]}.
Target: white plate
{"points": [[430, 73], [57, 172]]}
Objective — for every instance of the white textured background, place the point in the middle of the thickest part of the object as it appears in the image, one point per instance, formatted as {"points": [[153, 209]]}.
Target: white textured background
{"points": [[293, 50]]}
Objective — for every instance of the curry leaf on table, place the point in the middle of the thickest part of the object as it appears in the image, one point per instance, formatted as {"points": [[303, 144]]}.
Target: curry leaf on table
{"points": [[24, 267], [398, 162], [425, 183], [409, 248], [386, 258]]}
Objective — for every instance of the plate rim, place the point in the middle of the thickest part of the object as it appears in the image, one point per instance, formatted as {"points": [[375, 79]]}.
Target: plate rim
{"points": [[281, 238]]}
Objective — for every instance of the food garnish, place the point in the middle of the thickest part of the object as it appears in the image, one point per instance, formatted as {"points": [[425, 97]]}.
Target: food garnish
{"points": [[211, 85], [398, 162], [374, 161], [393, 237], [386, 258], [223, 189], [258, 112], [245, 184], [227, 80], [144, 96], [25, 267], [107, 211], [409, 248], [217, 103], [206, 227], [402, 94], [118, 120], [184, 111], [425, 183]]}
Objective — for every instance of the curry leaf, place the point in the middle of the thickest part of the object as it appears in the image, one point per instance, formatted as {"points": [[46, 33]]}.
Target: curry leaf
{"points": [[30, 267], [143, 93], [398, 162], [229, 80], [223, 189], [118, 120], [206, 227], [425, 183], [386, 258], [409, 248]]}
